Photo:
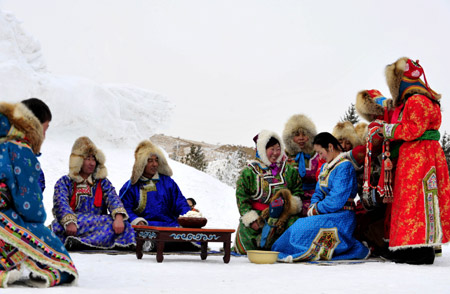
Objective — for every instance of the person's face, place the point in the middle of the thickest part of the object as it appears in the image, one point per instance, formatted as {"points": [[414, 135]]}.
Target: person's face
{"points": [[300, 138], [191, 205], [152, 167], [325, 154], [45, 126], [88, 166], [346, 144], [273, 153]]}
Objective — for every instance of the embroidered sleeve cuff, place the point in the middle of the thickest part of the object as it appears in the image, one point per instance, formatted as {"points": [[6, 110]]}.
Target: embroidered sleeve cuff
{"points": [[388, 130], [249, 217], [313, 210], [120, 210], [139, 219], [67, 219]]}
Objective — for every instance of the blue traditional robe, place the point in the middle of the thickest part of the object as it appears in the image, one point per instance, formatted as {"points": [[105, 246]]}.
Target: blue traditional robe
{"points": [[328, 235], [25, 242], [159, 201], [94, 223]]}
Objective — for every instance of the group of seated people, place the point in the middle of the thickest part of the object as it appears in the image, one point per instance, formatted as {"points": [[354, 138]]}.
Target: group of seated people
{"points": [[297, 196]]}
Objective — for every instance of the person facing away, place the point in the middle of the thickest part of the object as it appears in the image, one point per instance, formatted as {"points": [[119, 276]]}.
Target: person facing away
{"points": [[44, 115], [88, 212], [151, 197], [25, 242], [327, 231], [256, 188], [298, 135]]}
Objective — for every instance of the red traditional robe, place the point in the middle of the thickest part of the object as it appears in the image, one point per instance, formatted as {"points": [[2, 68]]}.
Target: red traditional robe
{"points": [[421, 207]]}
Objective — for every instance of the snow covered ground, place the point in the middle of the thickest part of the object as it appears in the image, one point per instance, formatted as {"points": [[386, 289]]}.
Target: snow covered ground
{"points": [[117, 117]]}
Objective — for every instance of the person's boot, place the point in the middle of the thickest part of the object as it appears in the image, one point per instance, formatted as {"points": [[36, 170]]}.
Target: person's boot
{"points": [[421, 255]]}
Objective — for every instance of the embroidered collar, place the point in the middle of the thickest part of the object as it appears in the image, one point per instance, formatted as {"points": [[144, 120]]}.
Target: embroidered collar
{"points": [[329, 166], [146, 180]]}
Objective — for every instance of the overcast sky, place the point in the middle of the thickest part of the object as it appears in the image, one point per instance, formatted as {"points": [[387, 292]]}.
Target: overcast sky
{"points": [[234, 67]]}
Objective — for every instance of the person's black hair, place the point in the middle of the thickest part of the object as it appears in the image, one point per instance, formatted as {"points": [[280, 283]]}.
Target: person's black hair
{"points": [[192, 200], [324, 139], [39, 109], [272, 141]]}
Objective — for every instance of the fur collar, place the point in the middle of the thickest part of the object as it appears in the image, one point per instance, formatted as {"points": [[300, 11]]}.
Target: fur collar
{"points": [[298, 122], [141, 156], [83, 147], [23, 120]]}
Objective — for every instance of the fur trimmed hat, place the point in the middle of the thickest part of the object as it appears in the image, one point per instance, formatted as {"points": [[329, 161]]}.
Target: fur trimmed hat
{"points": [[370, 104], [141, 155], [346, 130], [82, 148], [403, 78], [361, 130], [298, 123], [261, 141], [23, 121]]}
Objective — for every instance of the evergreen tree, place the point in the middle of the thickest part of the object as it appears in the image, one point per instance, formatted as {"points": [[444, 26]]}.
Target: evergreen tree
{"points": [[195, 158], [176, 152], [445, 142], [227, 170], [351, 115]]}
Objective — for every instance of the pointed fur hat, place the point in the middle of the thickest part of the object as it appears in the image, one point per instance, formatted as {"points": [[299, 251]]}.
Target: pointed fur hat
{"points": [[141, 155], [296, 123], [403, 78], [82, 148]]}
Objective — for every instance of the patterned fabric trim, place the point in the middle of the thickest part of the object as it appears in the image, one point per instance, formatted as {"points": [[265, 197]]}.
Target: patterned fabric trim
{"points": [[323, 245], [120, 210], [265, 179], [45, 276], [349, 205], [388, 130], [24, 241], [328, 168], [432, 215], [143, 196], [69, 218]]}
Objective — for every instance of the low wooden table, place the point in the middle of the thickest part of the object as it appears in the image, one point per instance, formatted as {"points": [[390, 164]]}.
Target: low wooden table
{"points": [[160, 235]]}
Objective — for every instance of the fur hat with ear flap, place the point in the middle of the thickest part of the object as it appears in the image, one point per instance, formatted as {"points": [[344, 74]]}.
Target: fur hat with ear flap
{"points": [[141, 155], [361, 130], [403, 79], [295, 124], [82, 148], [261, 141], [346, 130], [23, 124], [370, 104]]}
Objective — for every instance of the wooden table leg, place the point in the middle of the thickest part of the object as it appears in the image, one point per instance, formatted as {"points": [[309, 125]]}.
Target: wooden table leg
{"points": [[139, 244], [227, 250], [204, 250], [159, 251]]}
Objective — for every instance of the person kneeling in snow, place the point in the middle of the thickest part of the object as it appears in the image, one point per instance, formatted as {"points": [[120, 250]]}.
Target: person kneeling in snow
{"points": [[81, 202], [151, 197]]}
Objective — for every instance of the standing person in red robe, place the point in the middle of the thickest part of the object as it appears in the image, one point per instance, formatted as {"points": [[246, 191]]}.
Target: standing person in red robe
{"points": [[420, 211]]}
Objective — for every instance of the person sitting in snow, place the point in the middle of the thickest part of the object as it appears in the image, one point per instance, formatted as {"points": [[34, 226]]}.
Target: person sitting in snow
{"points": [[256, 192], [81, 202], [26, 244], [151, 197]]}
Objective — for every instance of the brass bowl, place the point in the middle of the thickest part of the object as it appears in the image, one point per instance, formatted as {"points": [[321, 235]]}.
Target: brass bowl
{"points": [[262, 257], [192, 222]]}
